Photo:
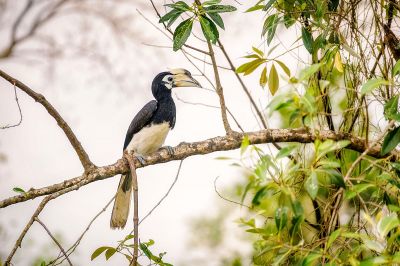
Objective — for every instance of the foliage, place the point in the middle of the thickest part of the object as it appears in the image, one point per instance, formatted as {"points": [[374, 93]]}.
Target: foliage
{"points": [[309, 204], [124, 248], [207, 13]]}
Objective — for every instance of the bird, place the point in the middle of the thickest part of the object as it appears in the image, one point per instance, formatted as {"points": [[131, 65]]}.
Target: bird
{"points": [[148, 131]]}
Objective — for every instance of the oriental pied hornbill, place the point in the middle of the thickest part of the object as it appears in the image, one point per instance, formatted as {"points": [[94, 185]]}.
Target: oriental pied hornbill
{"points": [[147, 132]]}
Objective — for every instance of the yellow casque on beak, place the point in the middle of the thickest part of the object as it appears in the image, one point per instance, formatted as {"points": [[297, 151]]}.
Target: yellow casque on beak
{"points": [[183, 78]]}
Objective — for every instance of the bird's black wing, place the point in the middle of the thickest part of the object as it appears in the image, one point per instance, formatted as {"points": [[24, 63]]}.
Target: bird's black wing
{"points": [[140, 120]]}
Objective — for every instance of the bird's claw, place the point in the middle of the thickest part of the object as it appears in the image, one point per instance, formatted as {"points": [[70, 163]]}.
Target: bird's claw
{"points": [[169, 150], [140, 159]]}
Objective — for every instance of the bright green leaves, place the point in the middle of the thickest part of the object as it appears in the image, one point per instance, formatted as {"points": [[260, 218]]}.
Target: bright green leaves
{"points": [[182, 33], [372, 84], [396, 68], [217, 19], [207, 14], [387, 224], [308, 40], [311, 185], [209, 29], [392, 139], [281, 217], [19, 190], [269, 27], [158, 260], [391, 109]]}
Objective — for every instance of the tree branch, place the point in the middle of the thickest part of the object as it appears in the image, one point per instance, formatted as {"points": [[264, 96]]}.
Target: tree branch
{"points": [[54, 239], [83, 156], [184, 150], [34, 216]]}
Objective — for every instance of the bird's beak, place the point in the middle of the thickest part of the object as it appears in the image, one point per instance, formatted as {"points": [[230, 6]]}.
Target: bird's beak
{"points": [[184, 80]]}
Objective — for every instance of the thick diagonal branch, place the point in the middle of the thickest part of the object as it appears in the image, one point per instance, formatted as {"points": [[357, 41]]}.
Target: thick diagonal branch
{"points": [[184, 150], [83, 156]]}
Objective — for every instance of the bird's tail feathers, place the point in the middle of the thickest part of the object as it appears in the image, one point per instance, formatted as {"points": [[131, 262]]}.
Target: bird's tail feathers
{"points": [[122, 203]]}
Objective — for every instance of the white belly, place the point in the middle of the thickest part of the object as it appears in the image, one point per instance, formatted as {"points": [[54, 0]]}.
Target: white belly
{"points": [[149, 139]]}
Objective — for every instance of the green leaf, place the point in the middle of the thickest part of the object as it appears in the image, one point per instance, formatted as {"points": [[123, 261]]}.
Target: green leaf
{"points": [[309, 260], [219, 9], [286, 151], [307, 39], [173, 19], [312, 185], [146, 251], [258, 196], [263, 77], [387, 223], [211, 2], [170, 15], [373, 84], [254, 8], [19, 190], [270, 25], [217, 19], [268, 5], [306, 73], [391, 108], [245, 144], [209, 29], [273, 80], [335, 234], [392, 139], [357, 189], [284, 67], [182, 33], [281, 216], [110, 252], [258, 51], [98, 251], [180, 5], [248, 68], [396, 68]]}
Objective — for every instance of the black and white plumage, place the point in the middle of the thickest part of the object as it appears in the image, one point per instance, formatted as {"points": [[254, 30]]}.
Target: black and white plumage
{"points": [[148, 131]]}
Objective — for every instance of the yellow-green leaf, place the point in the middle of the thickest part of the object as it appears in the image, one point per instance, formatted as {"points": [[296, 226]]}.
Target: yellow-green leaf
{"points": [[273, 80], [338, 62], [284, 67], [263, 77], [373, 84], [98, 251]]}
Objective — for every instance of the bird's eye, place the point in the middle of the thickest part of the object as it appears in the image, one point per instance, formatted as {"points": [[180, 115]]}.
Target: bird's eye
{"points": [[170, 79]]}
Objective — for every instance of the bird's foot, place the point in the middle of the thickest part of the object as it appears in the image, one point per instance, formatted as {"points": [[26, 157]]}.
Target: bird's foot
{"points": [[140, 159], [169, 149]]}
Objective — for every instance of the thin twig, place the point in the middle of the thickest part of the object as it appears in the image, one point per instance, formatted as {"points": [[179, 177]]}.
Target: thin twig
{"points": [[54, 239], [135, 209], [219, 90], [35, 214], [80, 151], [166, 194], [77, 242], [222, 197], [19, 109]]}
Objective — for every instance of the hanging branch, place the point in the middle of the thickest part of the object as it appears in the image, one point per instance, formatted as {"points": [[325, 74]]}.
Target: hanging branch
{"points": [[83, 156]]}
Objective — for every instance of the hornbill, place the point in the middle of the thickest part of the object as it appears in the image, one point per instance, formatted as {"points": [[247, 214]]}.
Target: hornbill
{"points": [[147, 132]]}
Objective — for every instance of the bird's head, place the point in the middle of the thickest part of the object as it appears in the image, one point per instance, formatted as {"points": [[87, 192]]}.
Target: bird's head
{"points": [[165, 81]]}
